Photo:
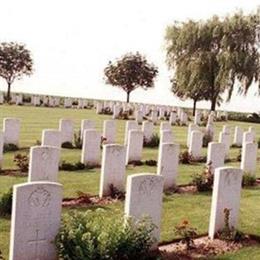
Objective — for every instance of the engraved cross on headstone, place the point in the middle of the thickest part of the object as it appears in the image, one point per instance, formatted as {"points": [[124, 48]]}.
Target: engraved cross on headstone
{"points": [[36, 242]]}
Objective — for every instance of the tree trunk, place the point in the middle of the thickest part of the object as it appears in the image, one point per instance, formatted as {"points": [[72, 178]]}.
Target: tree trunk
{"points": [[8, 92], [194, 107], [127, 97], [213, 104]]}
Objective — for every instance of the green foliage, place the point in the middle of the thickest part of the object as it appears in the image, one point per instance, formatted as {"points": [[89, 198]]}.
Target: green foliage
{"points": [[130, 72], [88, 235], [150, 162], [208, 57], [185, 157], [6, 204], [239, 155], [229, 233], [67, 145], [22, 162], [15, 61], [77, 140], [244, 117], [258, 143], [115, 193], [203, 181], [207, 138], [187, 233], [10, 148], [65, 166], [153, 142], [248, 180]]}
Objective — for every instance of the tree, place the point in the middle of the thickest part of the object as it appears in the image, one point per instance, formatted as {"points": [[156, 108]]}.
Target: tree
{"points": [[131, 72], [15, 61], [215, 55]]}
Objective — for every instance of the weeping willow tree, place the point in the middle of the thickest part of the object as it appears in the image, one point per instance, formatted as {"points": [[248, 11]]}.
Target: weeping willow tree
{"points": [[210, 57]]}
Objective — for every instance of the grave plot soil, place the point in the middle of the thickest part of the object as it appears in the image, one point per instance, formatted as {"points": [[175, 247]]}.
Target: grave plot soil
{"points": [[13, 172], [204, 248], [86, 200]]}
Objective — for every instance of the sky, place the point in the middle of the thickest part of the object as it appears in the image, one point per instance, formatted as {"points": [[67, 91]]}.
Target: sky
{"points": [[72, 41]]}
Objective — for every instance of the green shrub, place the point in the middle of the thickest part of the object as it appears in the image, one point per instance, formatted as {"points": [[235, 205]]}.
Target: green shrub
{"points": [[115, 193], [10, 148], [229, 233], [151, 162], [65, 166], [248, 180], [22, 162], [207, 138], [67, 145], [239, 155], [258, 143], [6, 203], [203, 181], [89, 236], [185, 157], [77, 140], [153, 142], [244, 117]]}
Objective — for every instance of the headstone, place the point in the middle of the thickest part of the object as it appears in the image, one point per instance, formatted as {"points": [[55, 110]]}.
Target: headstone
{"points": [[66, 128], [99, 107], [249, 158], [51, 137], [195, 147], [238, 136], [225, 196], [225, 138], [113, 168], [116, 111], [51, 102], [130, 125], [1, 148], [248, 137], [210, 131], [191, 128], [1, 98], [11, 129], [252, 130], [86, 125], [91, 148], [173, 118], [154, 116], [165, 126], [226, 129], [134, 146], [144, 193], [67, 102], [35, 222], [44, 163], [183, 118], [211, 118], [197, 118], [168, 160], [147, 129], [109, 131], [166, 136], [216, 155], [80, 103], [139, 116], [161, 113]]}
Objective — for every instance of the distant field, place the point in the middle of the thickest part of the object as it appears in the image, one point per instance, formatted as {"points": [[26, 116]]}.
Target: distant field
{"points": [[176, 207]]}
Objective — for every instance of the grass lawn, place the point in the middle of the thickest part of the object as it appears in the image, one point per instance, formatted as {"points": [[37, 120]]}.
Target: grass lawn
{"points": [[176, 207]]}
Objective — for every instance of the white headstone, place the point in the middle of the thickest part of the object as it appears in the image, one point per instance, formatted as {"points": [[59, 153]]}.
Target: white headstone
{"points": [[116, 111], [165, 126], [144, 193], [225, 138], [147, 129], [238, 136], [249, 158], [11, 129], [130, 125], [139, 116], [191, 128], [134, 146], [66, 127], [173, 118], [248, 137], [99, 107], [67, 103], [44, 163], [36, 214], [113, 168], [168, 160], [86, 125], [109, 131], [197, 118], [51, 137], [226, 195], [166, 136], [91, 148], [216, 155], [195, 148], [154, 116], [183, 118]]}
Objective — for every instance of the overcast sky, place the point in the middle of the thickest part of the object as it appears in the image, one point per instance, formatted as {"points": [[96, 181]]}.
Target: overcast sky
{"points": [[72, 41]]}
